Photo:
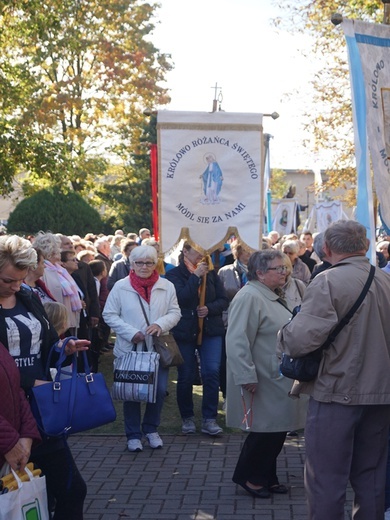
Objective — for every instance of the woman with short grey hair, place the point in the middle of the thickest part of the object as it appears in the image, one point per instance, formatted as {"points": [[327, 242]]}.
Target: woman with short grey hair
{"points": [[257, 395], [143, 294], [59, 282]]}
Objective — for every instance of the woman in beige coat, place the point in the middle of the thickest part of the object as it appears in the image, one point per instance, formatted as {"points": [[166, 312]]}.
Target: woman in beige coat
{"points": [[257, 395]]}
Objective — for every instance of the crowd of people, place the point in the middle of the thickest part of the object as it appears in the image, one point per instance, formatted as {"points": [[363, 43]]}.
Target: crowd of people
{"points": [[233, 314]]}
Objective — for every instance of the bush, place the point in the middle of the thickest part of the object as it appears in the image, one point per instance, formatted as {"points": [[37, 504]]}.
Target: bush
{"points": [[65, 213]]}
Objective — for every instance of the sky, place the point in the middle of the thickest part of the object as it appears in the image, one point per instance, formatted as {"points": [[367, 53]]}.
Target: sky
{"points": [[234, 44]]}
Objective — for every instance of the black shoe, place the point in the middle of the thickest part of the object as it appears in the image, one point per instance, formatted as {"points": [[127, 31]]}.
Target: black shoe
{"points": [[280, 489], [258, 493]]}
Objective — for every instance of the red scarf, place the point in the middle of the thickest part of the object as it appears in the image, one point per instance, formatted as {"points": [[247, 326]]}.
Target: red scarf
{"points": [[143, 286]]}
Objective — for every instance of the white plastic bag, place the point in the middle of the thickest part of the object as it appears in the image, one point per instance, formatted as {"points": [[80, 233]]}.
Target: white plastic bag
{"points": [[28, 502]]}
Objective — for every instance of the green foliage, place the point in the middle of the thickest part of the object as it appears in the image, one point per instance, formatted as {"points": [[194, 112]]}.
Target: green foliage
{"points": [[53, 210], [125, 196], [75, 78], [278, 183]]}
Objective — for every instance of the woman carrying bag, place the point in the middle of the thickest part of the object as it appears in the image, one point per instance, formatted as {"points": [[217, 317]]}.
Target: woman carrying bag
{"points": [[124, 314], [27, 334]]}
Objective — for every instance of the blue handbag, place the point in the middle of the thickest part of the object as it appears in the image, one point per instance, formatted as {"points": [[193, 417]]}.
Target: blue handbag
{"points": [[80, 402]]}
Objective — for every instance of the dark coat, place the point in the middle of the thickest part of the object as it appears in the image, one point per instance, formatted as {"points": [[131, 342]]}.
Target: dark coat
{"points": [[86, 281], [187, 292], [16, 419], [49, 335]]}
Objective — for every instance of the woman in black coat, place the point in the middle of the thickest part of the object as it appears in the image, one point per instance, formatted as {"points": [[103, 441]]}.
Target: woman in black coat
{"points": [[187, 278]]}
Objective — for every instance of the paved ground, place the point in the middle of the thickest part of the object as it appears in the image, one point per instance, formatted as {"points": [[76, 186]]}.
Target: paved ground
{"points": [[188, 479]]}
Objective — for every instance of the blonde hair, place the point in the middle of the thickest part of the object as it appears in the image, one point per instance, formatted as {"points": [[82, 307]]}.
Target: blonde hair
{"points": [[18, 252], [58, 316]]}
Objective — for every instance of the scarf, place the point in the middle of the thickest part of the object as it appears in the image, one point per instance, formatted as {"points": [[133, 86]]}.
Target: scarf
{"points": [[68, 285], [190, 266], [143, 286]]}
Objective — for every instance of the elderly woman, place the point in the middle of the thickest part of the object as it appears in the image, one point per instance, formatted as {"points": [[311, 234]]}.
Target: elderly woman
{"points": [[59, 282], [300, 270], [187, 279], [293, 289], [257, 395], [35, 282], [124, 314], [27, 334]]}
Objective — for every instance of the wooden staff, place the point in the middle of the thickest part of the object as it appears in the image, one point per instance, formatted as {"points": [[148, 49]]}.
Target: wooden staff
{"points": [[202, 298]]}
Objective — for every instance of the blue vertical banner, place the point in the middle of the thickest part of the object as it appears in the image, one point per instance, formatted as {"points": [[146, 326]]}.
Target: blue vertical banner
{"points": [[369, 61]]}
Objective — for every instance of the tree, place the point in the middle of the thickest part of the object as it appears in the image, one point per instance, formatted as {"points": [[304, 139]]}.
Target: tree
{"points": [[75, 77], [330, 117], [66, 213], [278, 183]]}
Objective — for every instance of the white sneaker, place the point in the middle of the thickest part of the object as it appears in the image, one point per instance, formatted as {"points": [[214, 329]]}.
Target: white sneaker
{"points": [[387, 514], [154, 440], [134, 445], [211, 427]]}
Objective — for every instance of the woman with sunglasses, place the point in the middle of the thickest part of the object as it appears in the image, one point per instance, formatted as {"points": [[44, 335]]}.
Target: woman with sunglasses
{"points": [[257, 395], [124, 314]]}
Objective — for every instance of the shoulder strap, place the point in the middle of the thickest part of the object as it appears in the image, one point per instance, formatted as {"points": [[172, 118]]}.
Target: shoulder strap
{"points": [[351, 312], [143, 310]]}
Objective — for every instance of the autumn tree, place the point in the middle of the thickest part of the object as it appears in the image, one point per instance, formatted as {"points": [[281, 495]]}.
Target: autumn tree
{"points": [[75, 77], [329, 118]]}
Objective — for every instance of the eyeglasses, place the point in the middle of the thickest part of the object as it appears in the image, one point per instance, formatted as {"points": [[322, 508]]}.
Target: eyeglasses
{"points": [[148, 264], [281, 269]]}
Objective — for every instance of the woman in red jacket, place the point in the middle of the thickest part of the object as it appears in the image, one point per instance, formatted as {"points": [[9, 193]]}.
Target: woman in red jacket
{"points": [[18, 429]]}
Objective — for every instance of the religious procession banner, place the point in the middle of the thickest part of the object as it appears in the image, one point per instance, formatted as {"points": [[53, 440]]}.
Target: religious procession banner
{"points": [[323, 214], [209, 178], [285, 216], [369, 59]]}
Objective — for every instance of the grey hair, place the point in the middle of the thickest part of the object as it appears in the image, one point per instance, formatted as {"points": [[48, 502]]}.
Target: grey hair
{"points": [[48, 243], [318, 245], [143, 252], [260, 261], [18, 252], [292, 245], [346, 236]]}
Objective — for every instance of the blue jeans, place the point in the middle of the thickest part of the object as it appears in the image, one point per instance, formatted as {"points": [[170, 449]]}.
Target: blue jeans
{"points": [[210, 360], [152, 415]]}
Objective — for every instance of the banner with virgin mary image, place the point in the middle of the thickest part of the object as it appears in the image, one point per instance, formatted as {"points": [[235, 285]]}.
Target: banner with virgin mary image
{"points": [[209, 178]]}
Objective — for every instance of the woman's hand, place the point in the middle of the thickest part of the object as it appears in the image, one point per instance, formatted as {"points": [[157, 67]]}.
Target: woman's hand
{"points": [[154, 329], [202, 311], [250, 387], [18, 457], [137, 338], [201, 269], [73, 346]]}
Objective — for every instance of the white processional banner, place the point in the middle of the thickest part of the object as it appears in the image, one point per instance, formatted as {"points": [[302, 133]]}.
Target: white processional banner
{"points": [[369, 54], [209, 178], [285, 217]]}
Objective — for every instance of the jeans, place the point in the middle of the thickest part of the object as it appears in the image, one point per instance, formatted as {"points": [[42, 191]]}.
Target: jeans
{"points": [[210, 360], [152, 415]]}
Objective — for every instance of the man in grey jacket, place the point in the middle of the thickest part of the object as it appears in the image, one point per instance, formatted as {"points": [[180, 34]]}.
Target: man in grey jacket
{"points": [[349, 411]]}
